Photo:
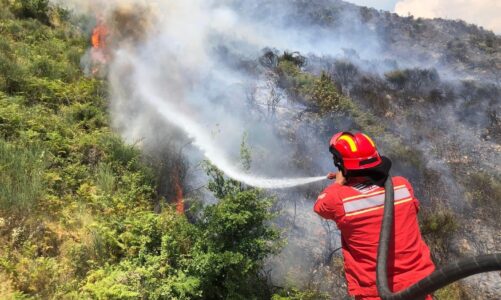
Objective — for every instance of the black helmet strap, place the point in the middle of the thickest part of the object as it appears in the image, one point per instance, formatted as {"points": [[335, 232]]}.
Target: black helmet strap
{"points": [[338, 159]]}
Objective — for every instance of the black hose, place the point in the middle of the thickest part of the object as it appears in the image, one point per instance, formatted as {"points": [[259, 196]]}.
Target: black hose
{"points": [[436, 280]]}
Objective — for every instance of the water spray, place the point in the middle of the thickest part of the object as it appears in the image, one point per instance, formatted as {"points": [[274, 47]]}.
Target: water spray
{"points": [[203, 142]]}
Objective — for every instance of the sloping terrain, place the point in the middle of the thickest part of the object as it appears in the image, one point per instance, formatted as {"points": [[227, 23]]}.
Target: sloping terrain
{"points": [[85, 215]]}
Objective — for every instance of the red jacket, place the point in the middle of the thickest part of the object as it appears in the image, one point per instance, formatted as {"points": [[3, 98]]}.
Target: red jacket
{"points": [[357, 210]]}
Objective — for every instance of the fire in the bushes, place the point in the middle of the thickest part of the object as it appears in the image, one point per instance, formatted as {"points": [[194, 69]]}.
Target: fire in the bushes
{"points": [[179, 195], [99, 39]]}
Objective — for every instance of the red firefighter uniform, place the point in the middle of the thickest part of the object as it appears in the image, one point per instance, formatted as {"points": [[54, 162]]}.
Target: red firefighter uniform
{"points": [[357, 209]]}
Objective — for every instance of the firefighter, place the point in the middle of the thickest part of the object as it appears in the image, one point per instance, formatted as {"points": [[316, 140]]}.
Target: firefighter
{"points": [[355, 202]]}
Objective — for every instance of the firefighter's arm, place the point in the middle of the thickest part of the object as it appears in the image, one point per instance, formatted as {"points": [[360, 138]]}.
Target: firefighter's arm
{"points": [[328, 205]]}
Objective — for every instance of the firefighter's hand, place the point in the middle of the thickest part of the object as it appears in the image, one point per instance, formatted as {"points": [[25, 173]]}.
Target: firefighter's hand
{"points": [[340, 178], [331, 175]]}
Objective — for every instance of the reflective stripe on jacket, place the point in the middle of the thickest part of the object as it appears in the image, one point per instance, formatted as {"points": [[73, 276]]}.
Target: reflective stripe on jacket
{"points": [[357, 209]]}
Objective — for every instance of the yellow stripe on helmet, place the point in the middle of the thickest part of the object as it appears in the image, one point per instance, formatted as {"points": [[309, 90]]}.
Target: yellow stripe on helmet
{"points": [[370, 140], [350, 141]]}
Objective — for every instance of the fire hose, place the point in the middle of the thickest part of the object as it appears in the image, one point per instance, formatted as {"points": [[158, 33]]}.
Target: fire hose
{"points": [[441, 277]]}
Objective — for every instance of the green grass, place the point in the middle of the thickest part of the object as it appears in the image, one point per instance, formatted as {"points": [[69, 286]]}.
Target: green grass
{"points": [[21, 177], [454, 291]]}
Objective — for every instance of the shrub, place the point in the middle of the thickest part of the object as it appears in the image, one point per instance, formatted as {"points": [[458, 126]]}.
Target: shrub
{"points": [[439, 223], [398, 78], [120, 154], [324, 94], [484, 190], [413, 81], [37, 277], [163, 256], [375, 93], [405, 157], [269, 58], [437, 226], [345, 73], [294, 57], [12, 76], [235, 240], [36, 9], [87, 116]]}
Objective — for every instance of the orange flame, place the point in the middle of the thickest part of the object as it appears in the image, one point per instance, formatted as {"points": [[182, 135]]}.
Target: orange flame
{"points": [[99, 52], [179, 196], [99, 36]]}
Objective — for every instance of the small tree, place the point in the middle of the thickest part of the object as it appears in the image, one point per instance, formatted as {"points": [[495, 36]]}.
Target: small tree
{"points": [[236, 237]]}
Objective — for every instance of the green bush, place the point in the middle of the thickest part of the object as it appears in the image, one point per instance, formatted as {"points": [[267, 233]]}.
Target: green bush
{"points": [[38, 276], [293, 79], [317, 91], [36, 9], [12, 76], [325, 95], [438, 224], [235, 240], [293, 57], [120, 153], [163, 256]]}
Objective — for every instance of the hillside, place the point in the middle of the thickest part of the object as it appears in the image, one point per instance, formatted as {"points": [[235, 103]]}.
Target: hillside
{"points": [[77, 205], [104, 197]]}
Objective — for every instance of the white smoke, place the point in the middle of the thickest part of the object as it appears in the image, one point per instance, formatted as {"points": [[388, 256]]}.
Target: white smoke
{"points": [[190, 73], [201, 138]]}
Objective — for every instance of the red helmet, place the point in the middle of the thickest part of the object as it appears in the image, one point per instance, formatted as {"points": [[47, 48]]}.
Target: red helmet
{"points": [[354, 151]]}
